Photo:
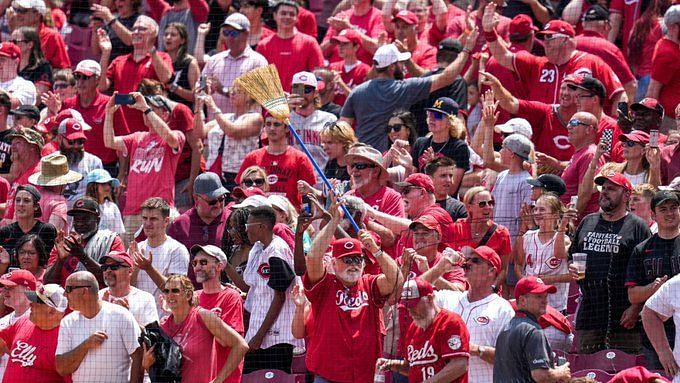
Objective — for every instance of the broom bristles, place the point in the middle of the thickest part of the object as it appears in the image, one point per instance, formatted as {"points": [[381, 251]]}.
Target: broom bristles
{"points": [[264, 86]]}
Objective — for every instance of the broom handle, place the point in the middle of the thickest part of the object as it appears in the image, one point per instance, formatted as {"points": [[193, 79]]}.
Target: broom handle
{"points": [[320, 172]]}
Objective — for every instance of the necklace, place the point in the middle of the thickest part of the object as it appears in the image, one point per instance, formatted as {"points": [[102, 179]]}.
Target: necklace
{"points": [[442, 148]]}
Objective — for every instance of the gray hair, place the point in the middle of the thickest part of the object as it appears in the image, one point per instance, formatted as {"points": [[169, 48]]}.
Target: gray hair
{"points": [[151, 22], [672, 16]]}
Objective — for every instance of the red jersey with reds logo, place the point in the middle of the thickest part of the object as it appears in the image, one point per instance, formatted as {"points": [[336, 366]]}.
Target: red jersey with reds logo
{"points": [[543, 78], [550, 132], [346, 329], [31, 353], [430, 349], [352, 77]]}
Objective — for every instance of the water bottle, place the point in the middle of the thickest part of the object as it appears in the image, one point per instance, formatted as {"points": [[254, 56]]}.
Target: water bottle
{"points": [[379, 376]]}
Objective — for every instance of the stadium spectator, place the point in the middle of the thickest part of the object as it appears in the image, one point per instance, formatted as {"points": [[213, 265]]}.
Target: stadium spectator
{"points": [[26, 145], [53, 178], [605, 318], [659, 308], [441, 171], [118, 26], [255, 10], [336, 140], [32, 255], [362, 17], [98, 340], [458, 25], [546, 183], [291, 51], [32, 13], [423, 55], [33, 66], [189, 13], [19, 90], [5, 131], [641, 204], [103, 188], [327, 95], [352, 71], [664, 84], [592, 102], [185, 66]]}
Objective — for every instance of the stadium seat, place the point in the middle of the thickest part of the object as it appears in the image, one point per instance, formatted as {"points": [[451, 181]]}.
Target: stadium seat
{"points": [[269, 376], [299, 365], [598, 375], [610, 361]]}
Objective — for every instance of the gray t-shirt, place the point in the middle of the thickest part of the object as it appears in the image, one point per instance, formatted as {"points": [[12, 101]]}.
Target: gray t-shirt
{"points": [[371, 104], [521, 348], [510, 192]]}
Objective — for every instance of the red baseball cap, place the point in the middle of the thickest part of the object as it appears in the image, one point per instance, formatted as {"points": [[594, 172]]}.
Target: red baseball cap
{"points": [[240, 192], [10, 50], [637, 374], [50, 123], [406, 16], [345, 247], [639, 136], [417, 179], [486, 253], [554, 27], [648, 103], [616, 178], [522, 25], [72, 129], [348, 36], [19, 278], [413, 290], [119, 256], [429, 222], [532, 285]]}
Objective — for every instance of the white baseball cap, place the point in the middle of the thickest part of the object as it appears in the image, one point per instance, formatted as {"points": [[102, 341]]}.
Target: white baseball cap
{"points": [[253, 201], [237, 21], [38, 5], [306, 78], [515, 125], [88, 68], [51, 294], [389, 54]]}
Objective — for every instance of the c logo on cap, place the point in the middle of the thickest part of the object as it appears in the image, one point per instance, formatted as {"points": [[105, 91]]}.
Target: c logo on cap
{"points": [[76, 126], [303, 77], [348, 245], [539, 280], [80, 203]]}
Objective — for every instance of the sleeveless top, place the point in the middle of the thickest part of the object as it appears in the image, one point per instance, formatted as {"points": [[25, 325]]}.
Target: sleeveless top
{"points": [[540, 260], [181, 78], [196, 342]]}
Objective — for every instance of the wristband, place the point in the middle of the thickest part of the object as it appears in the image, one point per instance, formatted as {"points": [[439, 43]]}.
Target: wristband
{"points": [[111, 22], [466, 50], [491, 36], [147, 111]]}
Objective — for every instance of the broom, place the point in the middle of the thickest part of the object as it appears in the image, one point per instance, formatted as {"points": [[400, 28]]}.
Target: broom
{"points": [[264, 86]]}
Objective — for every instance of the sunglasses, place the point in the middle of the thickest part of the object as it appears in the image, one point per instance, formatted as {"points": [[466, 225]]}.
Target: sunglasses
{"points": [[15, 42], [21, 11], [139, 29], [475, 261], [173, 291], [483, 204], [631, 144], [408, 189], [361, 166], [574, 123], [78, 141], [230, 33], [60, 85], [80, 76], [69, 289], [394, 128], [215, 201], [275, 124], [112, 267], [352, 260], [250, 182], [580, 96], [202, 262], [554, 36], [436, 115]]}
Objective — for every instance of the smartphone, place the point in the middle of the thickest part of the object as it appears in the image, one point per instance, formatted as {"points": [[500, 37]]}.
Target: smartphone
{"points": [[622, 108], [654, 138], [607, 136], [124, 99], [573, 201], [298, 90], [306, 209], [202, 82]]}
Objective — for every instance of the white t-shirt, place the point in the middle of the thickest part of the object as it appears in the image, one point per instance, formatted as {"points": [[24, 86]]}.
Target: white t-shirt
{"points": [[110, 362], [141, 304], [6, 321], [665, 302], [171, 257], [75, 190], [111, 218], [485, 319]]}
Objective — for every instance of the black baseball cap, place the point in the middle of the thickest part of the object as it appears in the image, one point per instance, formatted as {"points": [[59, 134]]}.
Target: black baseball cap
{"points": [[589, 84], [663, 196], [444, 105], [596, 13], [450, 44], [30, 111], [549, 182], [84, 204]]}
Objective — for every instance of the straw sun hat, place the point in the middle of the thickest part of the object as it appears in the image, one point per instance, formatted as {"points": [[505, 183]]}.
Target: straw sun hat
{"points": [[54, 171]]}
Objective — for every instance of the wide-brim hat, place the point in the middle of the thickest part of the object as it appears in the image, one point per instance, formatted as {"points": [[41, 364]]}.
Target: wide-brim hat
{"points": [[54, 171], [369, 154]]}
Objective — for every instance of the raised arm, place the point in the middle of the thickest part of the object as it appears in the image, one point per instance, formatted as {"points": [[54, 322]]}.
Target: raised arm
{"points": [[315, 270], [505, 99], [496, 46], [105, 47], [454, 69], [155, 122], [110, 139], [390, 278]]}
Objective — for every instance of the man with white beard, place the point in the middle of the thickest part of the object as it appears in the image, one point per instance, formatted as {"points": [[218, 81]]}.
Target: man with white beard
{"points": [[71, 140], [437, 340], [344, 341]]}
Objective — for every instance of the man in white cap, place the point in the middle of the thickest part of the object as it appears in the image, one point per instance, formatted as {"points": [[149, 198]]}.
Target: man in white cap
{"points": [[32, 340], [19, 90], [31, 13], [223, 68], [90, 104], [306, 117], [371, 104]]}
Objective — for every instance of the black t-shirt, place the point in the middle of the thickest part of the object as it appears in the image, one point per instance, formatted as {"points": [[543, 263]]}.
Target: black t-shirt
{"points": [[609, 246], [333, 170], [454, 148], [455, 208], [651, 259], [39, 72], [181, 78], [10, 234], [457, 91], [521, 347], [515, 7], [5, 151], [332, 108]]}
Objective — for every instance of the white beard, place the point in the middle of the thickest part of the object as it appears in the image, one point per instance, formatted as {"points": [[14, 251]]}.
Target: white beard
{"points": [[349, 276]]}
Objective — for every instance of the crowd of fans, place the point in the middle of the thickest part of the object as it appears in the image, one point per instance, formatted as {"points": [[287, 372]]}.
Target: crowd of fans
{"points": [[503, 190]]}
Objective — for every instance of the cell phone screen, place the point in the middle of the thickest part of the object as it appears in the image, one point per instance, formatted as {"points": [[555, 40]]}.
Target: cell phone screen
{"points": [[298, 89], [124, 99]]}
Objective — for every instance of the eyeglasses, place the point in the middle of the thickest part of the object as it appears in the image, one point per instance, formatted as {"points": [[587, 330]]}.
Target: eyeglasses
{"points": [[352, 260], [202, 262], [483, 204], [77, 141], [275, 124], [230, 33], [15, 42], [394, 127], [361, 166], [172, 291], [60, 85], [408, 189], [112, 267], [580, 96], [214, 201], [21, 11], [69, 289], [80, 76], [554, 36], [574, 123], [631, 144], [252, 224], [250, 182], [436, 115]]}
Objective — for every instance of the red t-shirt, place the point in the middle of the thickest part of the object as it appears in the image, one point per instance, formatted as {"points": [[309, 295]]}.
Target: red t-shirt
{"points": [[425, 55], [499, 240], [347, 329], [21, 180], [434, 34], [153, 164], [353, 78], [31, 353], [666, 70], [283, 171], [573, 176], [94, 116], [306, 22], [228, 305], [4, 189], [429, 350], [456, 27], [630, 10], [126, 74], [296, 54], [510, 81], [445, 223], [54, 47], [182, 119], [388, 201], [370, 24], [543, 78], [595, 43], [549, 133], [196, 342], [71, 263]]}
